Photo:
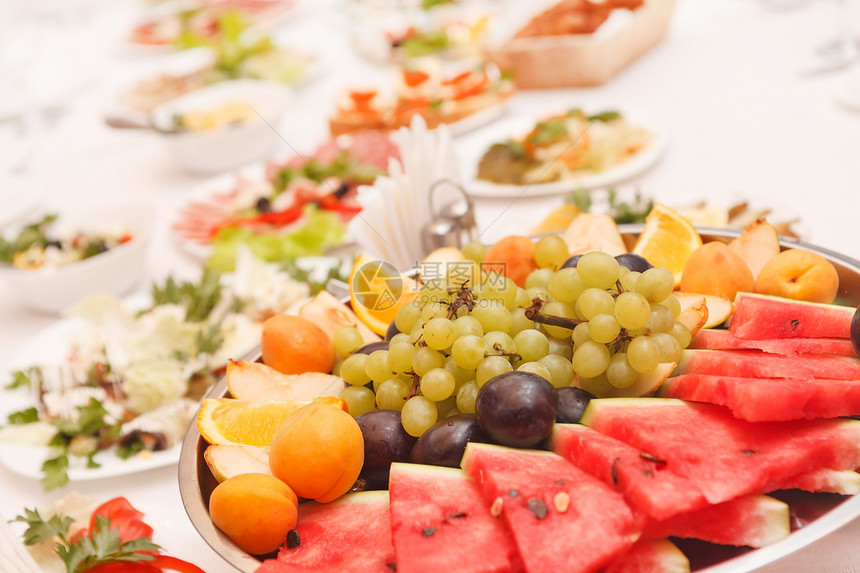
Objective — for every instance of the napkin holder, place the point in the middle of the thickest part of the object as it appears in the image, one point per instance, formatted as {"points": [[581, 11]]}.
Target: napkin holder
{"points": [[453, 223]]}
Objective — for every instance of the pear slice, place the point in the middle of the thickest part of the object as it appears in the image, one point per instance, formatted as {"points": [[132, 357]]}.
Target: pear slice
{"points": [[226, 461], [757, 245], [594, 232], [645, 385], [256, 382], [330, 314], [720, 308], [695, 316]]}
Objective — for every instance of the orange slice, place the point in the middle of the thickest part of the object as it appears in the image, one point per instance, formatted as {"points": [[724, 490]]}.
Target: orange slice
{"points": [[667, 240], [240, 422], [377, 291]]}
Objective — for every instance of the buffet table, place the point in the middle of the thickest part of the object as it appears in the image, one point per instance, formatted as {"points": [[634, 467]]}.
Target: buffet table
{"points": [[742, 123]]}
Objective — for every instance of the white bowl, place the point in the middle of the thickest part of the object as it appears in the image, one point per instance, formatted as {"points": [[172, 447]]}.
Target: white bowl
{"points": [[113, 272], [230, 146]]}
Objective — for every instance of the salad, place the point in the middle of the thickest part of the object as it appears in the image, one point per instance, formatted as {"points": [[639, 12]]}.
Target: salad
{"points": [[563, 147], [46, 244], [132, 378]]}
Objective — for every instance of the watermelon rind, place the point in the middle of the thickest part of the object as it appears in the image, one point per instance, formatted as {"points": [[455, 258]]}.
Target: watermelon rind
{"points": [[651, 556], [718, 339]]}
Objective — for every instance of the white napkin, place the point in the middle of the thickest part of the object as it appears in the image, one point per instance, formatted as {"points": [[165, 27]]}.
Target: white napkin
{"points": [[396, 207]]}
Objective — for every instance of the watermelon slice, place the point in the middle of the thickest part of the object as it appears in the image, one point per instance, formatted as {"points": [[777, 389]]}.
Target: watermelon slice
{"points": [[759, 317], [843, 482], [717, 339], [729, 457], [561, 518], [651, 556], [769, 399], [441, 522], [751, 520], [746, 363], [350, 535]]}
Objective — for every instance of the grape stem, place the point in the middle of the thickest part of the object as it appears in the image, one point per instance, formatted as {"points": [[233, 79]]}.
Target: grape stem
{"points": [[416, 380], [534, 313], [464, 298]]}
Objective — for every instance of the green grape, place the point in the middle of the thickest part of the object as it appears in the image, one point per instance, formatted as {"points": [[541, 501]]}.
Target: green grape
{"points": [[399, 337], [672, 303], [346, 340], [604, 328], [519, 322], [391, 394], [560, 369], [561, 309], [407, 317], [417, 415], [491, 366], [417, 333], [670, 348], [619, 373], [550, 252], [400, 356], [466, 396], [461, 375], [594, 301], [469, 350], [632, 310], [535, 368], [656, 284], [425, 359], [661, 319], [475, 251], [538, 292], [353, 370], [433, 310], [566, 285], [538, 278], [376, 366], [500, 342], [501, 289], [599, 385], [492, 315], [468, 325], [433, 290], [359, 399], [629, 280], [581, 334], [335, 369], [463, 273], [444, 408], [561, 346], [522, 300], [590, 359], [437, 384], [643, 354], [532, 345], [439, 333], [598, 269], [682, 334]]}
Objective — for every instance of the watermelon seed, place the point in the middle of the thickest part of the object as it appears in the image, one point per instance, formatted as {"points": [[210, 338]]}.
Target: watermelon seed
{"points": [[537, 507], [513, 493], [748, 452], [794, 323], [457, 515], [615, 471], [561, 501], [391, 565], [428, 531], [293, 539], [652, 458], [496, 508], [559, 482]]}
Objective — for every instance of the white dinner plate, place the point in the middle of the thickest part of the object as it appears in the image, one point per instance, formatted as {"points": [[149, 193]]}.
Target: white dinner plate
{"points": [[471, 150]]}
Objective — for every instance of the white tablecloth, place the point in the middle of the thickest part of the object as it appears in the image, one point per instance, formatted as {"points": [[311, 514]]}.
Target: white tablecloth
{"points": [[742, 123]]}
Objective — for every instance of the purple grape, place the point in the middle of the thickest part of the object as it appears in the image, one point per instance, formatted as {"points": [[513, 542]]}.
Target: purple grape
{"points": [[385, 441], [517, 408], [571, 262], [571, 404], [634, 262], [444, 443], [855, 331], [372, 347]]}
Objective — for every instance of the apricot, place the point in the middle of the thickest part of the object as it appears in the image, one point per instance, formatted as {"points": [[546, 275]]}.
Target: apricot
{"points": [[318, 451], [716, 269], [294, 345], [800, 275], [513, 257], [254, 510]]}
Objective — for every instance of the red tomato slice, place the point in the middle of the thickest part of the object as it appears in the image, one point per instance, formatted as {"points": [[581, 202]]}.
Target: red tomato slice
{"points": [[167, 563], [414, 78], [124, 516], [126, 567]]}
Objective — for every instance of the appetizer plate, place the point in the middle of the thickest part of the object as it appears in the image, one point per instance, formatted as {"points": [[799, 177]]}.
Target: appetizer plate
{"points": [[821, 514], [474, 147]]}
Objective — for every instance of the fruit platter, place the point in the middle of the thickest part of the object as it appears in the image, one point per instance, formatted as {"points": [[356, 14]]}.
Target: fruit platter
{"points": [[662, 441]]}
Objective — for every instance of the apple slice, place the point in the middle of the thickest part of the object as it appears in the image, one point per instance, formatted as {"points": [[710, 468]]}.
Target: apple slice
{"points": [[720, 308], [226, 461], [256, 382], [695, 315], [757, 245], [330, 314], [645, 385]]}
